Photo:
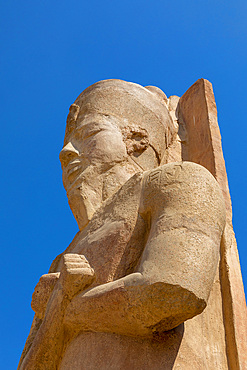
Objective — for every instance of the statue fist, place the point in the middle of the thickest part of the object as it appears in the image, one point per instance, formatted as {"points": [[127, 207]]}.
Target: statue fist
{"points": [[42, 293], [76, 274]]}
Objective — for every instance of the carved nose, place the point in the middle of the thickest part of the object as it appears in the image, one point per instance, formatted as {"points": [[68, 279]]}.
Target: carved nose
{"points": [[67, 154]]}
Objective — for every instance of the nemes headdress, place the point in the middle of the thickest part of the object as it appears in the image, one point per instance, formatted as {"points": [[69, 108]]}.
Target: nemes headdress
{"points": [[132, 104]]}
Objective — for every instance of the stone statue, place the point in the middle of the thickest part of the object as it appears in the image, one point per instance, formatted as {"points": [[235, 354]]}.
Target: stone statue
{"points": [[147, 254]]}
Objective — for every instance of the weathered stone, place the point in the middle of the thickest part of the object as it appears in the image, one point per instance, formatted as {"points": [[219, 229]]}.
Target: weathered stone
{"points": [[142, 284]]}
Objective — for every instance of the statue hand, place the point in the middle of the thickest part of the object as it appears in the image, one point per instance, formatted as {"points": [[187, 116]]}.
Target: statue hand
{"points": [[42, 293], [76, 274]]}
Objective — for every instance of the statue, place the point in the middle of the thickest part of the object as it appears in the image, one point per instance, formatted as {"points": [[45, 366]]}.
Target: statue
{"points": [[151, 225]]}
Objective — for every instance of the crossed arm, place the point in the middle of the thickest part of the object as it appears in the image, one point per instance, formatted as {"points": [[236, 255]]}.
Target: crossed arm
{"points": [[76, 275]]}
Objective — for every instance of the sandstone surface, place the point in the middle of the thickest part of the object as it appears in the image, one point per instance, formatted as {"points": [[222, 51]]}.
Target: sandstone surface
{"points": [[152, 279]]}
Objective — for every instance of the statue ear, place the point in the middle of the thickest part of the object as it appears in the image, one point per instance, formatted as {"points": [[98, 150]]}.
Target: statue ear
{"points": [[158, 92], [136, 140]]}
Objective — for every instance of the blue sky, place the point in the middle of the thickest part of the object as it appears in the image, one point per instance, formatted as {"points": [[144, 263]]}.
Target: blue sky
{"points": [[50, 52]]}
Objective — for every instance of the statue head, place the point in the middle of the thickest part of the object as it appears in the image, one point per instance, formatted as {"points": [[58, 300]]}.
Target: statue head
{"points": [[114, 130]]}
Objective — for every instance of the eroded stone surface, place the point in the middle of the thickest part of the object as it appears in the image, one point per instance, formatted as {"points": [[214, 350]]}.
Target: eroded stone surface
{"points": [[147, 254]]}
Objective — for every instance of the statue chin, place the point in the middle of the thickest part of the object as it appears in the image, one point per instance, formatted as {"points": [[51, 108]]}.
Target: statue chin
{"points": [[81, 207]]}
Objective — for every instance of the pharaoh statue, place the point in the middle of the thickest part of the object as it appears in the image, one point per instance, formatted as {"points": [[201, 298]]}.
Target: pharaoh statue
{"points": [[152, 278]]}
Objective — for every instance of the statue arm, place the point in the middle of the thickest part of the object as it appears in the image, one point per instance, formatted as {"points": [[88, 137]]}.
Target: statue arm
{"points": [[184, 207], [47, 345]]}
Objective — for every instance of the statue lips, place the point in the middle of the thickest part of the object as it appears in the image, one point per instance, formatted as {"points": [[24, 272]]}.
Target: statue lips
{"points": [[72, 170], [70, 173]]}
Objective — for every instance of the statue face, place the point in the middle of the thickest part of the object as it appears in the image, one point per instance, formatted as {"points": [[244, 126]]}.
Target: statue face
{"points": [[95, 142], [94, 147], [114, 129]]}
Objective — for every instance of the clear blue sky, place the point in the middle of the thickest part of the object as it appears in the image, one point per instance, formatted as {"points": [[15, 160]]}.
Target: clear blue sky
{"points": [[50, 52]]}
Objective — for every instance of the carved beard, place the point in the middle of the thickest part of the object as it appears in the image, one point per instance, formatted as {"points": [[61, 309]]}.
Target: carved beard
{"points": [[81, 207], [94, 187], [86, 196]]}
